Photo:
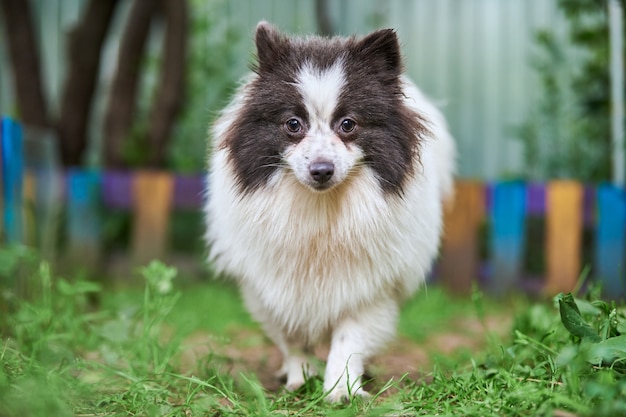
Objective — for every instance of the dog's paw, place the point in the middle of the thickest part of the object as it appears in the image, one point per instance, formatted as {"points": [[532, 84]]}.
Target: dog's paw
{"points": [[281, 373], [297, 371], [342, 394], [296, 378], [294, 384]]}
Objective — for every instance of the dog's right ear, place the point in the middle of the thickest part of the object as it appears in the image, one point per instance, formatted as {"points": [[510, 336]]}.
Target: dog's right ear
{"points": [[271, 46]]}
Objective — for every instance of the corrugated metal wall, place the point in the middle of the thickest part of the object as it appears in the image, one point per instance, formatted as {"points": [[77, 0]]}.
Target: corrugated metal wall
{"points": [[470, 56]]}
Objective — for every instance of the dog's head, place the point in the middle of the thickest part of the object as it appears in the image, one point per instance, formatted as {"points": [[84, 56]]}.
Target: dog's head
{"points": [[321, 109]]}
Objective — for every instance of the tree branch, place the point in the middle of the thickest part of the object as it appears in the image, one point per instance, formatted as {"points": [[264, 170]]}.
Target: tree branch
{"points": [[169, 96], [24, 53], [120, 111], [324, 22], [84, 48]]}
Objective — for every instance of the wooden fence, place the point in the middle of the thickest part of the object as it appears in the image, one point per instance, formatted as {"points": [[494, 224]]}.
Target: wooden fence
{"points": [[486, 235]]}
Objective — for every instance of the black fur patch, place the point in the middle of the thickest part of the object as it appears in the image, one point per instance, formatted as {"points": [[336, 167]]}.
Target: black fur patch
{"points": [[388, 132]]}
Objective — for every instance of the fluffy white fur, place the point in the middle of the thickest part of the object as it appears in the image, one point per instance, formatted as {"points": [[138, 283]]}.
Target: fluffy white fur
{"points": [[313, 265]]}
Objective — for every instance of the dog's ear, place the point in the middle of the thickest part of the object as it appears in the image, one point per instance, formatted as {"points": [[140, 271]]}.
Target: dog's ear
{"points": [[271, 46], [381, 47]]}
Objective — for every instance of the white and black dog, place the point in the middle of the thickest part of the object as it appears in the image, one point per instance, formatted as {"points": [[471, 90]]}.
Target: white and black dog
{"points": [[327, 177]]}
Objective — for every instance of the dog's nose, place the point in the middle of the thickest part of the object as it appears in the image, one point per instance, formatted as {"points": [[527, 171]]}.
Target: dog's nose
{"points": [[321, 172]]}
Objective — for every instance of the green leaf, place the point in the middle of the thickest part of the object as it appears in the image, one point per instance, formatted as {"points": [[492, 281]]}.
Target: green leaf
{"points": [[79, 287], [621, 325], [573, 320], [608, 350]]}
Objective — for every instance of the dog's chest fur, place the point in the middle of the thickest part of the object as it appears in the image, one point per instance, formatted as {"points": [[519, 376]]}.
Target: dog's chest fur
{"points": [[304, 260]]}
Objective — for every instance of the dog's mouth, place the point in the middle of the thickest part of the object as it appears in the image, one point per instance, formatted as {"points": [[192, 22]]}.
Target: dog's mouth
{"points": [[315, 187], [321, 188]]}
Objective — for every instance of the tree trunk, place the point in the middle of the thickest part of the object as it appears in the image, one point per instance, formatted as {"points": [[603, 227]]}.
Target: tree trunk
{"points": [[84, 49], [119, 114], [322, 15], [24, 53], [170, 93]]}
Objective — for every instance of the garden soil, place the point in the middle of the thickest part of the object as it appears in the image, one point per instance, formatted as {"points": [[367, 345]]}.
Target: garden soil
{"points": [[249, 352]]}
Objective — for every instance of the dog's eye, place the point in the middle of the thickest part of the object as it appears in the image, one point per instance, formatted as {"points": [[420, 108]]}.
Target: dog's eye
{"points": [[347, 125], [293, 125]]}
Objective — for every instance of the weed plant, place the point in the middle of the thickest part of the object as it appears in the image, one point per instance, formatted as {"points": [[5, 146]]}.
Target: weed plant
{"points": [[60, 356]]}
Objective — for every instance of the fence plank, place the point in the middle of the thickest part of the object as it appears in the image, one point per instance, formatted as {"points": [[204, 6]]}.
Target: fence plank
{"points": [[564, 221], [508, 217], [41, 161], [152, 200], [29, 225], [189, 191], [611, 240], [83, 223], [117, 189], [459, 261], [535, 199], [12, 179], [1, 180]]}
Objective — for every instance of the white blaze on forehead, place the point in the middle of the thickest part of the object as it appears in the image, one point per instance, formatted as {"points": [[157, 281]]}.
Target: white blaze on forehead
{"points": [[320, 89]]}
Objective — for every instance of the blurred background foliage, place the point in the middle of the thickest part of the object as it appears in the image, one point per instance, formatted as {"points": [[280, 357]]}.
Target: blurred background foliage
{"points": [[567, 134]]}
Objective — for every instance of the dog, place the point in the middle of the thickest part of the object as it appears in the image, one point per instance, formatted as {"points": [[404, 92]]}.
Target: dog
{"points": [[327, 182]]}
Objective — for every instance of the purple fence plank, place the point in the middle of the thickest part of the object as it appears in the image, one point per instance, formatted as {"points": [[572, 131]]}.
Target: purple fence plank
{"points": [[117, 190], [489, 197], [189, 191], [536, 199]]}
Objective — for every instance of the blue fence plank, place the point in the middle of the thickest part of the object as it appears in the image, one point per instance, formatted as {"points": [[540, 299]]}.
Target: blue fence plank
{"points": [[611, 239], [83, 199], [83, 206], [12, 178], [508, 219]]}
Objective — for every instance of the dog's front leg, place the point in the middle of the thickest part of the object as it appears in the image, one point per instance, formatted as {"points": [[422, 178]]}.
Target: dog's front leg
{"points": [[296, 366], [353, 341]]}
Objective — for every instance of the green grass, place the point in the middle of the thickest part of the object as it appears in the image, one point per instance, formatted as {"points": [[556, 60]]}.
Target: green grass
{"points": [[61, 356]]}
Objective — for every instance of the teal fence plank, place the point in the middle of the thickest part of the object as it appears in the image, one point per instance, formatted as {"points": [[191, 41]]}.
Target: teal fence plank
{"points": [[12, 178], [611, 239], [508, 220], [83, 208]]}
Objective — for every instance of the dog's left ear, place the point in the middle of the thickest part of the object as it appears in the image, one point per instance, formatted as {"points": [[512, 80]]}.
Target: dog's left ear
{"points": [[383, 47]]}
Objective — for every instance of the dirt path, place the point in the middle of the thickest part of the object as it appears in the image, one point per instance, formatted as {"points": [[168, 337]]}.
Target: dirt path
{"points": [[249, 351]]}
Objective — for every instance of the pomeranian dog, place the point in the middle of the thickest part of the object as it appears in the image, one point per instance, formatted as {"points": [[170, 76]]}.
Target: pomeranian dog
{"points": [[326, 187]]}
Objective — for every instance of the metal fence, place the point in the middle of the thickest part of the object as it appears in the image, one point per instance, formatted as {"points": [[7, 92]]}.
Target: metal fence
{"points": [[471, 56]]}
